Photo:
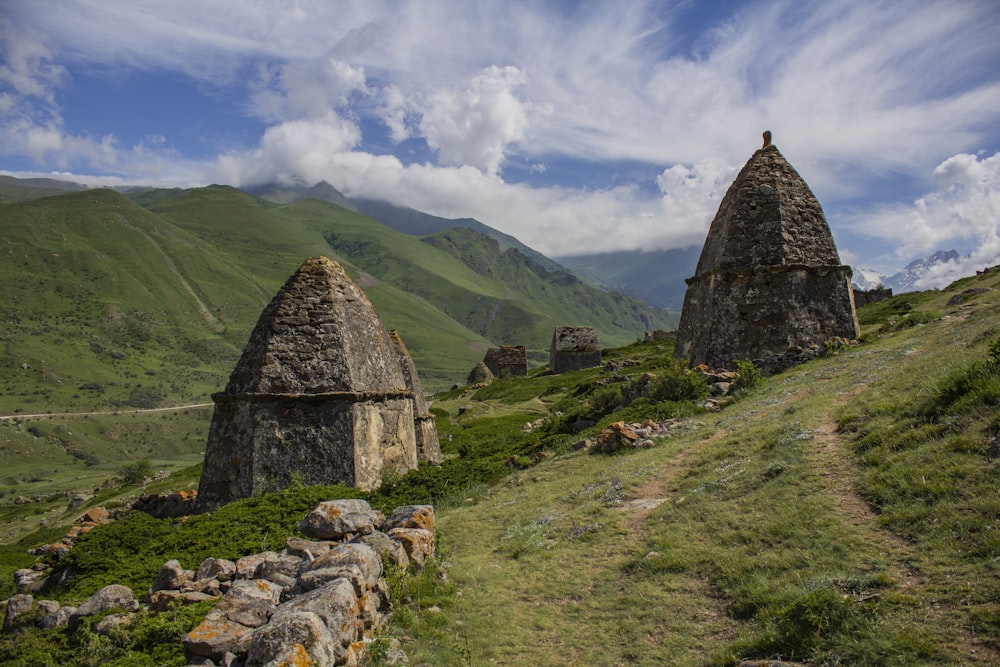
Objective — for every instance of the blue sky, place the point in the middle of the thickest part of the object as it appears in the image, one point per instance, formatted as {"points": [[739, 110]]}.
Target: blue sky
{"points": [[576, 126]]}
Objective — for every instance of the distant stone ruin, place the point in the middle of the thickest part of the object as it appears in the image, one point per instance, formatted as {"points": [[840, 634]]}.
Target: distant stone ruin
{"points": [[769, 286], [480, 374], [574, 348], [507, 361], [865, 297], [659, 334], [322, 393]]}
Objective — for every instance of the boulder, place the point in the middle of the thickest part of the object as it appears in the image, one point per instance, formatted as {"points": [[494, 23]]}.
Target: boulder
{"points": [[418, 543], [214, 637], [335, 603], [295, 638], [215, 568], [333, 519], [343, 558], [172, 577], [388, 549], [411, 516], [109, 597], [17, 605]]}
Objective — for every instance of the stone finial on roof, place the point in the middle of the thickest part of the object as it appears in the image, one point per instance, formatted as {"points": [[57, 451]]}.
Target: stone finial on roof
{"points": [[767, 138]]}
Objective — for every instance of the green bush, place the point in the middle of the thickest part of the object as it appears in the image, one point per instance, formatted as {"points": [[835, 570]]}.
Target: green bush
{"points": [[748, 375], [674, 382], [606, 399]]}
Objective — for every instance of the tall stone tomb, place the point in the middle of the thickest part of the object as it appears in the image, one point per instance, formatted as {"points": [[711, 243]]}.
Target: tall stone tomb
{"points": [[323, 393], [574, 348], [769, 286]]}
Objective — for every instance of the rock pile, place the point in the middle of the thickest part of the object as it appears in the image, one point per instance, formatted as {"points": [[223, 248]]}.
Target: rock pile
{"points": [[167, 505], [633, 435], [318, 601]]}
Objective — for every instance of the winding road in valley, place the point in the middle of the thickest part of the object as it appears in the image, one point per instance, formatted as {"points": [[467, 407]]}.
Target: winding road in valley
{"points": [[54, 415]]}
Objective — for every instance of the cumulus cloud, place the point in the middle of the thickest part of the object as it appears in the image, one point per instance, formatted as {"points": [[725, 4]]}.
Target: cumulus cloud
{"points": [[691, 195], [962, 212], [476, 125], [306, 89], [294, 152]]}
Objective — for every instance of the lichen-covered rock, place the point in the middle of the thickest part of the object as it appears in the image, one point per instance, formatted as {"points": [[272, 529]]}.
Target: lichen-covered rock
{"points": [[109, 597], [307, 550], [418, 543], [171, 577], [17, 605], [251, 612], [333, 519], [388, 549], [246, 567], [215, 568], [54, 616], [769, 278], [344, 558], [336, 604], [111, 622], [279, 566], [29, 581], [411, 516], [214, 637], [293, 639]]}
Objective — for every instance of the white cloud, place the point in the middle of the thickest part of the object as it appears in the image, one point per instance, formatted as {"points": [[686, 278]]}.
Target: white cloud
{"points": [[691, 196], [476, 125], [962, 212], [306, 89], [396, 112], [858, 93]]}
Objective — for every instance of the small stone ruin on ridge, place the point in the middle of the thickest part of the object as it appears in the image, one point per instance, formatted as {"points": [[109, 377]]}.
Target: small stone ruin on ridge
{"points": [[574, 348], [507, 361], [323, 393], [769, 286]]}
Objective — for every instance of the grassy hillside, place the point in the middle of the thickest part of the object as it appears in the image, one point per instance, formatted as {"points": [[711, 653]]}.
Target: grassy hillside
{"points": [[842, 512], [502, 295], [116, 304]]}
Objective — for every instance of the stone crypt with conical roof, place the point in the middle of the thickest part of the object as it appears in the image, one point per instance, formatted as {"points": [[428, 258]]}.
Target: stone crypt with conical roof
{"points": [[323, 394], [769, 286]]}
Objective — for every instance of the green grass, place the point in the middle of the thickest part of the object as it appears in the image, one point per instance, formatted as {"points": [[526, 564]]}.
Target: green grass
{"points": [[842, 512]]}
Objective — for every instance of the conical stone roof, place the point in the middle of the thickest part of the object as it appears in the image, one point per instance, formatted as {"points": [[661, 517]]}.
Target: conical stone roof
{"points": [[769, 283], [319, 334], [768, 217]]}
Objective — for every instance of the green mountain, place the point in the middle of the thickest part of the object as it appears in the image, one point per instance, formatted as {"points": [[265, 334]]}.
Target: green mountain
{"points": [[18, 189], [655, 277], [110, 303], [418, 223]]}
